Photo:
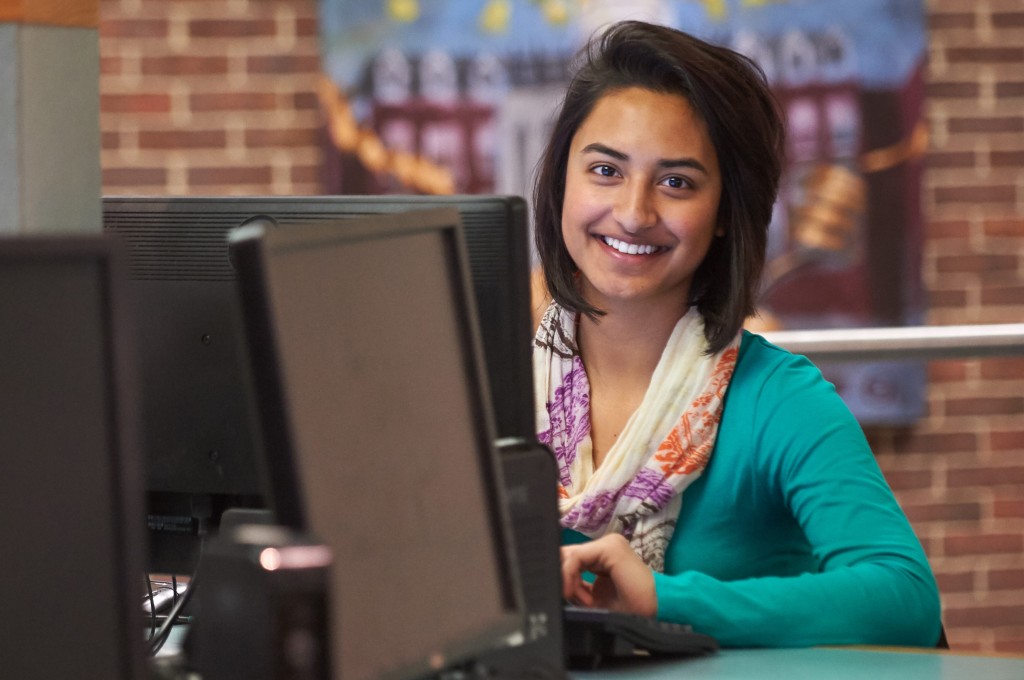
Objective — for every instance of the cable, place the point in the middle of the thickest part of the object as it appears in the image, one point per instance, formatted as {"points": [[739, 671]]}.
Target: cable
{"points": [[157, 639], [152, 606]]}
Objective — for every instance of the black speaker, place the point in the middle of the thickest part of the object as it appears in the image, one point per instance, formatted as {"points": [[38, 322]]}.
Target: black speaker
{"points": [[261, 607], [531, 480]]}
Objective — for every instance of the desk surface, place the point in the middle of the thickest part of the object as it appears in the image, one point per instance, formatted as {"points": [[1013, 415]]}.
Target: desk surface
{"points": [[818, 664]]}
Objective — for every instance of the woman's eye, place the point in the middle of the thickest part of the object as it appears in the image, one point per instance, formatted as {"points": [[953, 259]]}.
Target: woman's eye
{"points": [[605, 170], [676, 182]]}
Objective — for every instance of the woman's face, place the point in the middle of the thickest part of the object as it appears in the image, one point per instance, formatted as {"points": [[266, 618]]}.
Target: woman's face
{"points": [[641, 198]]}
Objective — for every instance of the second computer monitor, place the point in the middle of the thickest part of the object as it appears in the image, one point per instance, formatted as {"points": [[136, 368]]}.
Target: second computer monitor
{"points": [[199, 442]]}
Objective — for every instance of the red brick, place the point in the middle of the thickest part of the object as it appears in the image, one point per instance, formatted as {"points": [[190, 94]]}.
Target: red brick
{"points": [[929, 544], [985, 406], [134, 176], [306, 174], [111, 66], [986, 125], [985, 476], [305, 101], [939, 442], [942, 512], [995, 615], [284, 137], [232, 175], [110, 140], [953, 90], [1013, 646], [233, 101], [947, 371], [960, 582], [947, 298], [184, 65], [231, 28], [976, 195], [984, 544], [995, 295], [1006, 579], [1003, 368], [963, 647], [975, 263], [945, 20], [1009, 90], [1004, 20], [307, 27], [132, 28], [949, 229], [1009, 508], [984, 55], [182, 139], [1007, 440], [909, 479], [1004, 227], [947, 160], [284, 63], [1006, 159], [138, 102]]}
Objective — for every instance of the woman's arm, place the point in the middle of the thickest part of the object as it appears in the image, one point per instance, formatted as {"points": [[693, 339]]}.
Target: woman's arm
{"points": [[873, 584]]}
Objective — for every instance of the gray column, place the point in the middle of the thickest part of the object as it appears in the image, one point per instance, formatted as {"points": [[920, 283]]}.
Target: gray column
{"points": [[50, 176]]}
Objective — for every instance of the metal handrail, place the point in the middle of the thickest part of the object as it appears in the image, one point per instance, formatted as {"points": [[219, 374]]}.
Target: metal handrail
{"points": [[904, 342]]}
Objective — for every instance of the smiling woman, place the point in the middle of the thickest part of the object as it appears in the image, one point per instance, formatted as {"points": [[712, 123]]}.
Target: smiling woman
{"points": [[705, 475]]}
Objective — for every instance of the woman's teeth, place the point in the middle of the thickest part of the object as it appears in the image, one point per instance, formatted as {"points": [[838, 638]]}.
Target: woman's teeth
{"points": [[629, 248]]}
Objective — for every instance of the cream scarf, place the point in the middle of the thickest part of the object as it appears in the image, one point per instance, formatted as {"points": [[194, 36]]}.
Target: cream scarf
{"points": [[664, 447]]}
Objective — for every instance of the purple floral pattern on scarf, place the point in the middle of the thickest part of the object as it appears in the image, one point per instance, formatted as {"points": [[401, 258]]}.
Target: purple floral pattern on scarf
{"points": [[651, 486], [593, 512], [569, 415]]}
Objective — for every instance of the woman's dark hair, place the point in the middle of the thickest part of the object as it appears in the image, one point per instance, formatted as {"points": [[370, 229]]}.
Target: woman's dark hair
{"points": [[730, 93]]}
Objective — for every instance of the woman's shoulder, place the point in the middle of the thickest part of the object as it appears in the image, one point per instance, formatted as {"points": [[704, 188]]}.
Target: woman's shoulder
{"points": [[779, 380], [760, 358]]}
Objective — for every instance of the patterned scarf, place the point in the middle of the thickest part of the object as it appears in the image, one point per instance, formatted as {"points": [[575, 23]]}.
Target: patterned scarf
{"points": [[665, 445]]}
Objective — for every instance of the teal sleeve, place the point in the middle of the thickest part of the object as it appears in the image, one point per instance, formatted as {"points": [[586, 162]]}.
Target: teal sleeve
{"points": [[872, 583]]}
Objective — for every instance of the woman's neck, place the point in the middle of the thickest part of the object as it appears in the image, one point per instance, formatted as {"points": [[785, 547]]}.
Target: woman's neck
{"points": [[625, 341], [620, 351]]}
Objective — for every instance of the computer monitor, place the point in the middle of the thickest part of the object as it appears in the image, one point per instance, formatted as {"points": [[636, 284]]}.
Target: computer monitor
{"points": [[199, 440], [380, 437], [71, 577]]}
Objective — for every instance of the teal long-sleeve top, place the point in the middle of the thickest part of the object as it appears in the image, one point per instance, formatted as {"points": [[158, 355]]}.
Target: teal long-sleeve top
{"points": [[792, 537]]}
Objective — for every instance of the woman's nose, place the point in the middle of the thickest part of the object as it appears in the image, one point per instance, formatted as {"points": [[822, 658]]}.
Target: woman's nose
{"points": [[635, 207]]}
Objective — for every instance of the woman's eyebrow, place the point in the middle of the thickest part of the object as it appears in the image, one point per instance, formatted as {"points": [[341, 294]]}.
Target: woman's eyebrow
{"points": [[597, 147]]}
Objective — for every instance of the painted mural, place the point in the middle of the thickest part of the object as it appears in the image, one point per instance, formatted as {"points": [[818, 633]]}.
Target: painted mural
{"points": [[444, 96]]}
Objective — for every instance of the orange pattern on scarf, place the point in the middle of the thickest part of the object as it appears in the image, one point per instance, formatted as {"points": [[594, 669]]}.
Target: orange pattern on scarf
{"points": [[688, 446]]}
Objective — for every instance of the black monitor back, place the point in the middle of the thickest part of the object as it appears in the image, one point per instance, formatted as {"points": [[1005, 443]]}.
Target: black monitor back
{"points": [[199, 440], [70, 485]]}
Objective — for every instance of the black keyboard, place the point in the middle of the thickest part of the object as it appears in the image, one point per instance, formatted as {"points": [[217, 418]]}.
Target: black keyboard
{"points": [[593, 635]]}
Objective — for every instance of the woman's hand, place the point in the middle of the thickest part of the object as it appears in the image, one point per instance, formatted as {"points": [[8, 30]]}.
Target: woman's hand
{"points": [[624, 583]]}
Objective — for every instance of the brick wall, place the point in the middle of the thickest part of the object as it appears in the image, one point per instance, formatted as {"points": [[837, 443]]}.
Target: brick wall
{"points": [[209, 96], [218, 96], [960, 473]]}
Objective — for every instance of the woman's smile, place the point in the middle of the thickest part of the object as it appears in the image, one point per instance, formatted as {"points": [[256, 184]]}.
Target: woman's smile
{"points": [[631, 248]]}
